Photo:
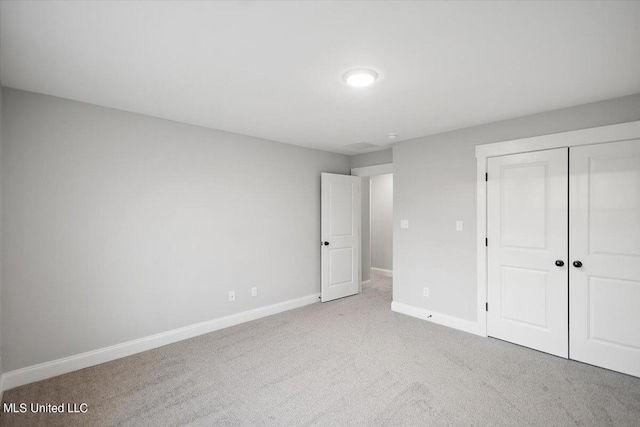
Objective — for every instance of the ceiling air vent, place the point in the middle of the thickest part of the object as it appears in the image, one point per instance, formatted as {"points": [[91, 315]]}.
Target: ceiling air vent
{"points": [[359, 146]]}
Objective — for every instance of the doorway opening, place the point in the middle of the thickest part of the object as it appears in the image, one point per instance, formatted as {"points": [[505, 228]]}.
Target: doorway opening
{"points": [[376, 227]]}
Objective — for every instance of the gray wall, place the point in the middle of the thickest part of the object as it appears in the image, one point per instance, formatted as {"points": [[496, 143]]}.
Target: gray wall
{"points": [[365, 227], [118, 226], [372, 159], [435, 185], [382, 221]]}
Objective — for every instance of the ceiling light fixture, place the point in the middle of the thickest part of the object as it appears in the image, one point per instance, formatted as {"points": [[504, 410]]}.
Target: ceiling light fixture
{"points": [[360, 77]]}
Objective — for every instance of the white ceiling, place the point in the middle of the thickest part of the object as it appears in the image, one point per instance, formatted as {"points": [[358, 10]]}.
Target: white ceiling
{"points": [[273, 69]]}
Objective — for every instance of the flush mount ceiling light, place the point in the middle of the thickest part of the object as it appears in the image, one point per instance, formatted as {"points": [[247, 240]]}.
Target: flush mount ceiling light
{"points": [[360, 78]]}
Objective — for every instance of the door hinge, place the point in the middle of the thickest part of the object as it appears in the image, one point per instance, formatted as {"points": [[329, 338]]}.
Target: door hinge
{"points": [[486, 176], [486, 306], [486, 241]]}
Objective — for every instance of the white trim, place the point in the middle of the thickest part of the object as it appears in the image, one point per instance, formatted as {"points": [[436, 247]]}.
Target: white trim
{"points": [[373, 170], [481, 251], [46, 370], [435, 317], [597, 135], [366, 282], [384, 272]]}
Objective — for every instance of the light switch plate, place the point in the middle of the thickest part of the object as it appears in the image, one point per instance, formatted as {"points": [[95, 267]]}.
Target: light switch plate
{"points": [[458, 225]]}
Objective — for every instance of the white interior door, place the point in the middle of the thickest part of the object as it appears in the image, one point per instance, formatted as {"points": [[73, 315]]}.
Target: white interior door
{"points": [[340, 234], [527, 229], [605, 240]]}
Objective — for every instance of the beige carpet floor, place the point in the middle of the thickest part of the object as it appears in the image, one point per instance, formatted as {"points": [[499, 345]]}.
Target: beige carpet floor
{"points": [[347, 362]]}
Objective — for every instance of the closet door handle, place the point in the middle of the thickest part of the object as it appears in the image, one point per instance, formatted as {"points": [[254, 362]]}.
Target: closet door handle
{"points": [[559, 263], [577, 264]]}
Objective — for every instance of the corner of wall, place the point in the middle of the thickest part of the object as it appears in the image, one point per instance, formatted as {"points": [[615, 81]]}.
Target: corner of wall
{"points": [[371, 159]]}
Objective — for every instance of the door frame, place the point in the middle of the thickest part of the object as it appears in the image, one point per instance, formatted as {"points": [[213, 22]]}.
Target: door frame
{"points": [[596, 135], [369, 171]]}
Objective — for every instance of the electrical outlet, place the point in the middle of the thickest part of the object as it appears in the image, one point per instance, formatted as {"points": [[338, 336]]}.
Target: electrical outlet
{"points": [[254, 291], [232, 296], [425, 292], [404, 223]]}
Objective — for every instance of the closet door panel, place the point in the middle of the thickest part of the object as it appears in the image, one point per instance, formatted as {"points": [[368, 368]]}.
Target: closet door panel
{"points": [[527, 206], [605, 239]]}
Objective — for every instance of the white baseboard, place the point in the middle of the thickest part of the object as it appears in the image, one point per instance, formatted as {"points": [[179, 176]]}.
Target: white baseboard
{"points": [[388, 273], [435, 317], [46, 370], [366, 282]]}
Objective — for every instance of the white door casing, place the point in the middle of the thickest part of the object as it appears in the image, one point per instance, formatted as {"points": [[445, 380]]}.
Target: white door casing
{"points": [[340, 236], [605, 238], [527, 205]]}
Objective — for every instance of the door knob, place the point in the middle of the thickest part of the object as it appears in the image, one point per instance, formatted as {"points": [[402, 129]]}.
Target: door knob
{"points": [[577, 264], [559, 262], [326, 243]]}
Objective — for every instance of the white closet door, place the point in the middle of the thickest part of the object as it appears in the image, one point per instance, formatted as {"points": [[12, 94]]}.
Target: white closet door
{"points": [[605, 240], [527, 204]]}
